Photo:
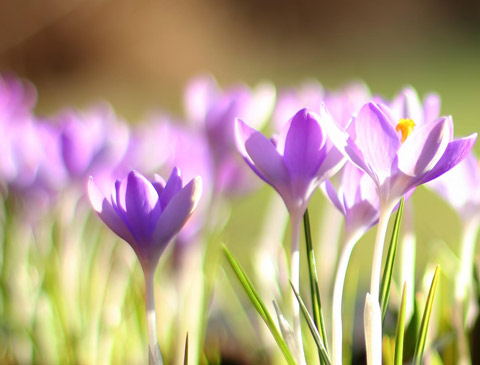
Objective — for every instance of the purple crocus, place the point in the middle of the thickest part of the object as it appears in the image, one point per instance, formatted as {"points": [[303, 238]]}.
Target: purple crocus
{"points": [[398, 156], [294, 164], [147, 215]]}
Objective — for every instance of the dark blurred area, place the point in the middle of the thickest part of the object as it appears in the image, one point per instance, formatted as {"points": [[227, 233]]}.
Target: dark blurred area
{"points": [[139, 54]]}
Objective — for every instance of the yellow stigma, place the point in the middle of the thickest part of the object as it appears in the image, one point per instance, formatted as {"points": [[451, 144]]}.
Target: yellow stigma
{"points": [[405, 126]]}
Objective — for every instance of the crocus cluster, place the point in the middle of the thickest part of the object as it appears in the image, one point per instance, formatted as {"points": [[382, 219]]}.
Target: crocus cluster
{"points": [[363, 151]]}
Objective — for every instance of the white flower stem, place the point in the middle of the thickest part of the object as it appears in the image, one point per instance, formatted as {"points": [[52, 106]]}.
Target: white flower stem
{"points": [[375, 329], [350, 241], [154, 351], [296, 224]]}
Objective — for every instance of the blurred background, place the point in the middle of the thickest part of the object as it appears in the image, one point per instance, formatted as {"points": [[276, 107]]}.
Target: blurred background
{"points": [[138, 55]]}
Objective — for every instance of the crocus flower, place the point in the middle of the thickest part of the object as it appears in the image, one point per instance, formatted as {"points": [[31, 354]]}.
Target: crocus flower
{"points": [[147, 215], [357, 199], [399, 156], [295, 164]]}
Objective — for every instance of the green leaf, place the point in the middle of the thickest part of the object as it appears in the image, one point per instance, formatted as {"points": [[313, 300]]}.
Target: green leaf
{"points": [[398, 360], [388, 270], [259, 305], [312, 273], [422, 334], [185, 357], [313, 329]]}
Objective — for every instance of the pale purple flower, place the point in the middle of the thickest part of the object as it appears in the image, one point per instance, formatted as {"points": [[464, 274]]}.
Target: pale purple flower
{"points": [[213, 111], [147, 214], [308, 95], [92, 142], [460, 187], [298, 161], [407, 105], [375, 145], [342, 104], [356, 198]]}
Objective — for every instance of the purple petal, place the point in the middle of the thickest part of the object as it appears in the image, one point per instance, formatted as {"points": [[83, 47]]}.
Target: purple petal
{"points": [[455, 152], [176, 214], [142, 206], [332, 195], [431, 108], [407, 105], [303, 145], [173, 186], [108, 215], [376, 139], [424, 147], [260, 154]]}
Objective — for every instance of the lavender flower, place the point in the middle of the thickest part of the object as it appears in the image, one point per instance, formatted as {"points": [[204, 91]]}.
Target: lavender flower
{"points": [[399, 156], [92, 142], [214, 112], [295, 164], [147, 215]]}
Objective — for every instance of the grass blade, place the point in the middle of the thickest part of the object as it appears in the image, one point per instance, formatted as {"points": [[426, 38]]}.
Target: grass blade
{"points": [[388, 270], [422, 334], [185, 357], [312, 273], [259, 305], [398, 359], [313, 329]]}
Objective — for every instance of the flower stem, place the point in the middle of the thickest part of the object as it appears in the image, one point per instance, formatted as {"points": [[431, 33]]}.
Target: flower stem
{"points": [[155, 357], [337, 336], [296, 223], [374, 330]]}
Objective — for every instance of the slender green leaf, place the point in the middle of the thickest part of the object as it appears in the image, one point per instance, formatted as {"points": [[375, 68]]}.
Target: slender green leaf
{"points": [[313, 329], [259, 305], [312, 273], [185, 357], [401, 328], [422, 334], [388, 270]]}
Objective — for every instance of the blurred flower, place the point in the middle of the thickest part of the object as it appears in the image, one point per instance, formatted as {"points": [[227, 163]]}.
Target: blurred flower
{"points": [[92, 142], [297, 162], [342, 104], [460, 187], [214, 112], [407, 105], [147, 214], [356, 198]]}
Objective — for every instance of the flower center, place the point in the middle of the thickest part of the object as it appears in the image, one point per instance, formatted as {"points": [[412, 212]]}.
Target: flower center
{"points": [[405, 126]]}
